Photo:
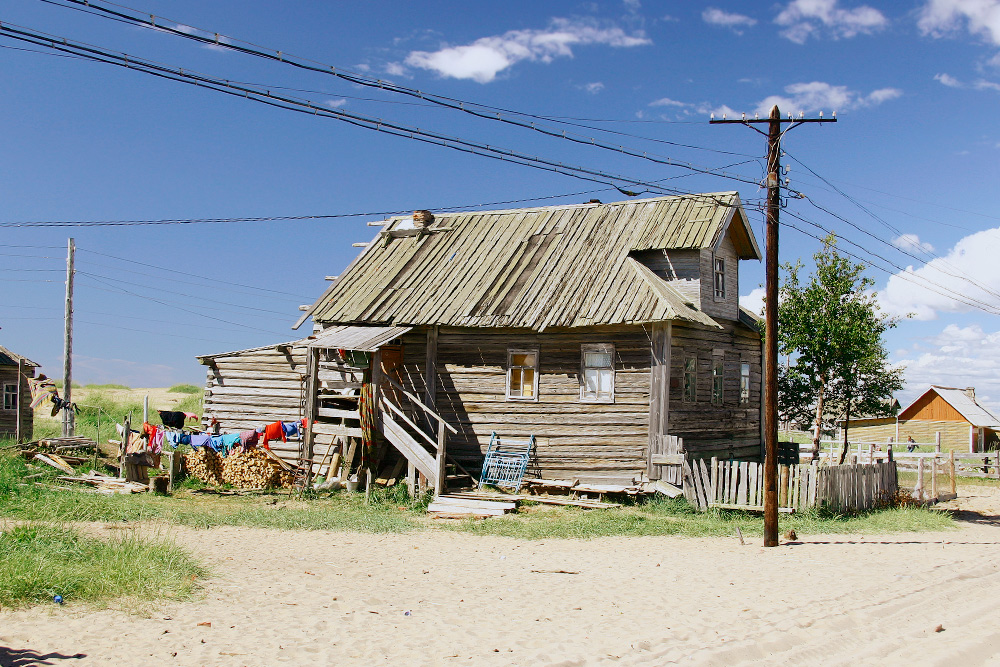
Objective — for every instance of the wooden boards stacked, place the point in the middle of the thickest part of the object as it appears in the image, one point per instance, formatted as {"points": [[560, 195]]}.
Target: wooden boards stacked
{"points": [[451, 507]]}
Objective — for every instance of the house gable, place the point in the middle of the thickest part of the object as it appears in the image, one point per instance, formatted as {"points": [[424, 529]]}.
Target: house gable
{"points": [[931, 407]]}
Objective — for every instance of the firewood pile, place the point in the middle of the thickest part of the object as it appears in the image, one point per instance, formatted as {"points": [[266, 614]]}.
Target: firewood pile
{"points": [[205, 464], [253, 469]]}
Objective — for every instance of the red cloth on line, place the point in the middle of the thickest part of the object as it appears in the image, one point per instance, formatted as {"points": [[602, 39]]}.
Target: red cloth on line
{"points": [[273, 432]]}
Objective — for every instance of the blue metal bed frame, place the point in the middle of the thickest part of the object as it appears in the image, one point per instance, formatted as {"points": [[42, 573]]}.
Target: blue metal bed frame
{"points": [[506, 462]]}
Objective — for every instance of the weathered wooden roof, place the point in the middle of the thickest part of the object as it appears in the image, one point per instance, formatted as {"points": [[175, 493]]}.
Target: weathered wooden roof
{"points": [[559, 266], [363, 339], [8, 358]]}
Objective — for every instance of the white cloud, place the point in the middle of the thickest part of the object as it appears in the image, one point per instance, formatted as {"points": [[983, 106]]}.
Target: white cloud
{"points": [[395, 69], [912, 243], [948, 80], [805, 18], [724, 19], [594, 87], [986, 85], [754, 301], [667, 102], [485, 58], [336, 104], [981, 18], [819, 96], [632, 6], [943, 284], [957, 357]]}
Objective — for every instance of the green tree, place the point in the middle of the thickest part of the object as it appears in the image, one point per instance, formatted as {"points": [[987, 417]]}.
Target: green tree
{"points": [[831, 327]]}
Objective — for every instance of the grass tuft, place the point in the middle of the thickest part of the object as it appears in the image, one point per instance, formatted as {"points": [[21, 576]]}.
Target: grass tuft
{"points": [[185, 389], [39, 561]]}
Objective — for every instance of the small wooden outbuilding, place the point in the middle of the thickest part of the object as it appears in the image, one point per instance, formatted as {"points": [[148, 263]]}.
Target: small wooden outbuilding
{"points": [[16, 415]]}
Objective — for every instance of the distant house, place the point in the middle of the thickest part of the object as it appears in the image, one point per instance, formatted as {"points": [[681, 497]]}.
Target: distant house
{"points": [[16, 415], [954, 413]]}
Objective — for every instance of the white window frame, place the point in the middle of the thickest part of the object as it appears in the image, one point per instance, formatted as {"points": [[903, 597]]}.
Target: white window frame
{"points": [[719, 277], [693, 398], [7, 386], [744, 383], [596, 348], [510, 355]]}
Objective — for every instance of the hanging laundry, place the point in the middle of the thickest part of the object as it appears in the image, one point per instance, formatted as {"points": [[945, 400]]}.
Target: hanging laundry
{"points": [[273, 431], [172, 419], [43, 394], [291, 429], [248, 439], [199, 440], [175, 438], [229, 441]]}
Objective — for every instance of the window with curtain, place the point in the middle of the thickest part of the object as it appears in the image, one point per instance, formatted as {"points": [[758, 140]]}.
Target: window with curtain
{"points": [[744, 383], [522, 375], [718, 378], [597, 381]]}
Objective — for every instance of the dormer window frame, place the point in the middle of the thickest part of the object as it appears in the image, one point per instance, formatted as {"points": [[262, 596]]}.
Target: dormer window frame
{"points": [[718, 277]]}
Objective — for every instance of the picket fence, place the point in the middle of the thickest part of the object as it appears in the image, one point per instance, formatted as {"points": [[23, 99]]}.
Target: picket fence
{"points": [[740, 485]]}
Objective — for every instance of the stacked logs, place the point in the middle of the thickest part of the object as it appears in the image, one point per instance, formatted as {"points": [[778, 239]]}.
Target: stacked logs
{"points": [[253, 469], [205, 464]]}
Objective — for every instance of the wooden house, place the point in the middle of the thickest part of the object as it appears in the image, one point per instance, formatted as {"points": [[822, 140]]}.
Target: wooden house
{"points": [[955, 413], [16, 415], [601, 329]]}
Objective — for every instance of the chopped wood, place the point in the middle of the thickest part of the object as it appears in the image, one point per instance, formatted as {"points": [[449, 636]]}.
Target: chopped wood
{"points": [[59, 466]]}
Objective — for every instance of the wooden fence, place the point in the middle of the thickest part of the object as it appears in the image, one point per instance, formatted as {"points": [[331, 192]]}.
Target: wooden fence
{"points": [[740, 485]]}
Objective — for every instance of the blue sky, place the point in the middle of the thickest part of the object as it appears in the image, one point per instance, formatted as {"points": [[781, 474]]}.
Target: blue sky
{"points": [[915, 150]]}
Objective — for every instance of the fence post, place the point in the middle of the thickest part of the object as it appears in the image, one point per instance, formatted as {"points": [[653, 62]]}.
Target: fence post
{"points": [[918, 492], [951, 469], [934, 465], [715, 479], [937, 441]]}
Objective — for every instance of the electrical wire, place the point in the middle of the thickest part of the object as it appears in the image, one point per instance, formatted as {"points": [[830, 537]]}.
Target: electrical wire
{"points": [[220, 40], [127, 61]]}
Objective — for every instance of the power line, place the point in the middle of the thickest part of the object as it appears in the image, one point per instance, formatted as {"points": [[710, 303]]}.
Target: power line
{"points": [[128, 61], [220, 40]]}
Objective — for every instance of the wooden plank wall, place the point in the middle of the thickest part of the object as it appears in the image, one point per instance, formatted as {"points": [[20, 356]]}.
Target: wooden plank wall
{"points": [[593, 442], [8, 418], [251, 389], [731, 430]]}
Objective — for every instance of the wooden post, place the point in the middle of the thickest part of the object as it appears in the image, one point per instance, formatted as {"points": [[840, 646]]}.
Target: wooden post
{"points": [[145, 408], [951, 471], [934, 465], [125, 439], [918, 492], [715, 479], [312, 389], [20, 397], [440, 484], [937, 441], [430, 372], [68, 418], [782, 490], [411, 486]]}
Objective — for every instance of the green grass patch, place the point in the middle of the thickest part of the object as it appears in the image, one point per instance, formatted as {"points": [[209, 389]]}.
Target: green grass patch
{"points": [[185, 389], [107, 386], [663, 516], [38, 562]]}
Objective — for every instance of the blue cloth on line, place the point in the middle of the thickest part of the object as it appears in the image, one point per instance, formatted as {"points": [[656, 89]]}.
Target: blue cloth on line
{"points": [[291, 429], [229, 440], [200, 440], [174, 438]]}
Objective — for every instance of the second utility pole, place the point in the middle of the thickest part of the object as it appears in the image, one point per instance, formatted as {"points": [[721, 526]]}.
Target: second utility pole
{"points": [[770, 397], [68, 425]]}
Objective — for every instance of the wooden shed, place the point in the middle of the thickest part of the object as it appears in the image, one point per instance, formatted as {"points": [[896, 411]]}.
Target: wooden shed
{"points": [[601, 329], [16, 415], [955, 413]]}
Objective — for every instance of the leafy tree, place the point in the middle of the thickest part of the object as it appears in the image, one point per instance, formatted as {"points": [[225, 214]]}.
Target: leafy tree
{"points": [[831, 327]]}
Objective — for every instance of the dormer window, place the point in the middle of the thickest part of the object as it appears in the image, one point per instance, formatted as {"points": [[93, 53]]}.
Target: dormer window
{"points": [[720, 278]]}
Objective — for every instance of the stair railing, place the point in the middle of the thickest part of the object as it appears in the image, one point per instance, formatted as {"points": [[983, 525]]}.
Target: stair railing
{"points": [[440, 445]]}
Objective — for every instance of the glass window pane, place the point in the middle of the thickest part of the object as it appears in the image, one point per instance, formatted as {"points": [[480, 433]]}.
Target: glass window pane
{"points": [[528, 383], [591, 382], [604, 382], [522, 360], [597, 360], [515, 381]]}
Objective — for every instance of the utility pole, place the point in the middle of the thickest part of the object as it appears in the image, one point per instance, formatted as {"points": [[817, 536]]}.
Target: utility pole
{"points": [[774, 134], [68, 425]]}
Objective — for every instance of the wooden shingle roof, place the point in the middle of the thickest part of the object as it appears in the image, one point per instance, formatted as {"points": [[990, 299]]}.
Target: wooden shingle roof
{"points": [[8, 358], [559, 266]]}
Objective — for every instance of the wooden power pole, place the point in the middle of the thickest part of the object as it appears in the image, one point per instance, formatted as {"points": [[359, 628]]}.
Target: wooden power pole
{"points": [[774, 134], [68, 425]]}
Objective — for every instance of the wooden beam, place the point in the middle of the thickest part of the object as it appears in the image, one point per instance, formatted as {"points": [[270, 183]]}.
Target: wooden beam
{"points": [[430, 395]]}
